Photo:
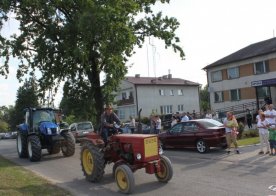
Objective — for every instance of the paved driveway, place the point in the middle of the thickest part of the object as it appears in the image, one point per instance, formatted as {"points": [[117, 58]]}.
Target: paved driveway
{"points": [[214, 173]]}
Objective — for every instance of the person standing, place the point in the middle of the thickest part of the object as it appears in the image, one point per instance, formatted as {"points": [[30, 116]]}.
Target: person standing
{"points": [[184, 117], [272, 141], [231, 125], [157, 124], [174, 121], [270, 115], [209, 115], [249, 119], [132, 124], [263, 125]]}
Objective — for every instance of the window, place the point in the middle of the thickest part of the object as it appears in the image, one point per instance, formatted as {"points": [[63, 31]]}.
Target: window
{"points": [[235, 95], [166, 109], [132, 111], [161, 92], [180, 92], [121, 114], [219, 96], [216, 76], [177, 128], [263, 91], [171, 93], [130, 95], [124, 95], [233, 73], [180, 108], [261, 67], [190, 126]]}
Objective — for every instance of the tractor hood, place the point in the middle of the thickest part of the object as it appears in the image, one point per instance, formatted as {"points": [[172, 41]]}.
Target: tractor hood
{"points": [[48, 128]]}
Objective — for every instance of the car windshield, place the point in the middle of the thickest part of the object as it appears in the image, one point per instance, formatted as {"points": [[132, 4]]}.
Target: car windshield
{"points": [[84, 126], [207, 123], [43, 115]]}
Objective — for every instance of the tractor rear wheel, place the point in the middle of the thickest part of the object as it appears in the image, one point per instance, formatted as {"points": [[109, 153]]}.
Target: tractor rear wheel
{"points": [[34, 148], [68, 149], [22, 146], [166, 173], [124, 178], [92, 162]]}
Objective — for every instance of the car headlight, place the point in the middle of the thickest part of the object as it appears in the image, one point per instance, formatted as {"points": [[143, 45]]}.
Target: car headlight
{"points": [[49, 131], [138, 156]]}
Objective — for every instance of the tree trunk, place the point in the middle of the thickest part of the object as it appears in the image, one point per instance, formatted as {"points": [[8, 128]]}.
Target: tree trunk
{"points": [[94, 78]]}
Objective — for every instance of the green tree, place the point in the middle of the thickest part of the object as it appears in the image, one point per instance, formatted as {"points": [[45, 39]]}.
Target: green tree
{"points": [[77, 40], [27, 96], [5, 117], [204, 99]]}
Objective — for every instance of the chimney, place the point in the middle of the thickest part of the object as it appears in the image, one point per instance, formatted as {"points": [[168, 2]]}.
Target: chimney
{"points": [[137, 75], [169, 74], [165, 77]]}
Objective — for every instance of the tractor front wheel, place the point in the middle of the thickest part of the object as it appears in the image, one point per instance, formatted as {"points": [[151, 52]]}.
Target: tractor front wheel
{"points": [[124, 178], [92, 162], [68, 148], [34, 148], [166, 173], [22, 146]]}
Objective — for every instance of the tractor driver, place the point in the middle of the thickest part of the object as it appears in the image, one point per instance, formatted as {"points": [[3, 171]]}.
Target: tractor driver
{"points": [[107, 122]]}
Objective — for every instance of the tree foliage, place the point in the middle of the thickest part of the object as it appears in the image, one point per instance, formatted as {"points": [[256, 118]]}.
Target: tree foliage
{"points": [[204, 99], [76, 40], [27, 96]]}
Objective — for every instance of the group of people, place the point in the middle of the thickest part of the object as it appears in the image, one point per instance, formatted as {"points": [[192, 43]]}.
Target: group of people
{"points": [[266, 123]]}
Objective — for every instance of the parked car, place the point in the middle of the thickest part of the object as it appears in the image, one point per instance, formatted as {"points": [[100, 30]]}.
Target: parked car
{"points": [[81, 129], [200, 134]]}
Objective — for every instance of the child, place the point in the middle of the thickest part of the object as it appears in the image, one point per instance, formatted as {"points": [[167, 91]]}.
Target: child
{"points": [[272, 140]]}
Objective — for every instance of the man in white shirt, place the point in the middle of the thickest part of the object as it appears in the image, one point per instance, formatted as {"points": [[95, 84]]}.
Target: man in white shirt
{"points": [[185, 117], [270, 115]]}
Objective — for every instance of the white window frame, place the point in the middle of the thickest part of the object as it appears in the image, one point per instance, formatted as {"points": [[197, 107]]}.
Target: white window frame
{"points": [[166, 109], [121, 114], [216, 76], [219, 95], [265, 89], [180, 92], [263, 65], [180, 108], [161, 92], [238, 92], [233, 73], [171, 92]]}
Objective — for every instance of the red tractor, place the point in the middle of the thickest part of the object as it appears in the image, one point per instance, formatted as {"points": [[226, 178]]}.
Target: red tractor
{"points": [[128, 152]]}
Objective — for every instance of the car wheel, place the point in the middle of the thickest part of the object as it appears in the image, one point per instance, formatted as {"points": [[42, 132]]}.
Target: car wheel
{"points": [[201, 146]]}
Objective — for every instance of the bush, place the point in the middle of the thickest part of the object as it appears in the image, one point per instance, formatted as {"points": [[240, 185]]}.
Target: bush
{"points": [[240, 129], [251, 133]]}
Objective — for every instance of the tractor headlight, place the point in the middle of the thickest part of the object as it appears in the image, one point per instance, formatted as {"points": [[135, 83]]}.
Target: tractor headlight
{"points": [[161, 150], [58, 130], [138, 156], [49, 131]]}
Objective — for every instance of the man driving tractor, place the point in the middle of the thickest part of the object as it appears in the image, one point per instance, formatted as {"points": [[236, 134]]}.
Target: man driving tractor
{"points": [[107, 122]]}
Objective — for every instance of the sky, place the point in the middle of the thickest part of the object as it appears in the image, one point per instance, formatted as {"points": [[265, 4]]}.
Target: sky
{"points": [[209, 30]]}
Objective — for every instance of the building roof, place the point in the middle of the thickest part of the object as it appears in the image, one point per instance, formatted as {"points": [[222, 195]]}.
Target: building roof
{"points": [[253, 50], [165, 80]]}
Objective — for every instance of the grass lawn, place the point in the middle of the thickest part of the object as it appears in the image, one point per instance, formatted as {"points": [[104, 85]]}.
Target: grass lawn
{"points": [[15, 180], [248, 141]]}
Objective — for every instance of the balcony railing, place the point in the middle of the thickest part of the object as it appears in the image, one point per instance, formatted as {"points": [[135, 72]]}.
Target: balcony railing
{"points": [[125, 102]]}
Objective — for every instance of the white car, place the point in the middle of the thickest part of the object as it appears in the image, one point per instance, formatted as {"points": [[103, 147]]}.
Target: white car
{"points": [[81, 129]]}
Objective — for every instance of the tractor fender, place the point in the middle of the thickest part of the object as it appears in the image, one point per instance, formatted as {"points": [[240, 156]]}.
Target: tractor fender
{"points": [[23, 128], [93, 141]]}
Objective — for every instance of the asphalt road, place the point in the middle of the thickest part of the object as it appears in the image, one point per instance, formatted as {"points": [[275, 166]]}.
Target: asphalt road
{"points": [[211, 174]]}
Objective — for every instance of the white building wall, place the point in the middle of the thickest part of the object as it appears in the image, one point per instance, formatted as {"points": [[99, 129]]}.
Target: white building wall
{"points": [[150, 100]]}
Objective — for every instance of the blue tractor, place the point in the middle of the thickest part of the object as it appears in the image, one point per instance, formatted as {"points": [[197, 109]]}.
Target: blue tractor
{"points": [[43, 129]]}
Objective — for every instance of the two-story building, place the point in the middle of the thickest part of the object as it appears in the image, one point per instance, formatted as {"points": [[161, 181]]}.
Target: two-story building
{"points": [[244, 77], [162, 95]]}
